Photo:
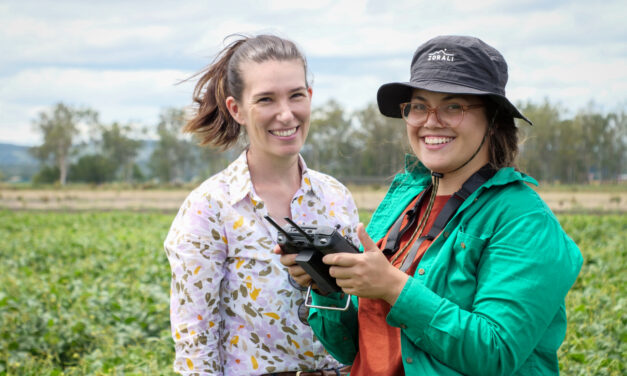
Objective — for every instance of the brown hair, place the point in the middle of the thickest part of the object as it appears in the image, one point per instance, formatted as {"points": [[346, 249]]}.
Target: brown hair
{"points": [[502, 137], [212, 122]]}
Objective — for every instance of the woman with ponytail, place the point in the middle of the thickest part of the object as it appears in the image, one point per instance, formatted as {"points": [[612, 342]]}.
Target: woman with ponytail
{"points": [[234, 308], [465, 268]]}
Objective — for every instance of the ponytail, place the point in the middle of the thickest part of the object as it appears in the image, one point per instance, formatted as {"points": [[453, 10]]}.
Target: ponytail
{"points": [[213, 123]]}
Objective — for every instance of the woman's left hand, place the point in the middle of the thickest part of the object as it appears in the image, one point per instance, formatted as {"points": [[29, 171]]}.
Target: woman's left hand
{"points": [[368, 274], [296, 271]]}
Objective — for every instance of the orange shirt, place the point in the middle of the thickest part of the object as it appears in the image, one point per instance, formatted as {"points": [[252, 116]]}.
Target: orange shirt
{"points": [[380, 344]]}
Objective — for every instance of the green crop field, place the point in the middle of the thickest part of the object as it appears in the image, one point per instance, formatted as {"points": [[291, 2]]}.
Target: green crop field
{"points": [[87, 294]]}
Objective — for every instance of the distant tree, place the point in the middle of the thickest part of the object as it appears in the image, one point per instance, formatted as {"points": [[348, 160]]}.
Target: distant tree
{"points": [[568, 161], [93, 168], [382, 141], [601, 137], [589, 146], [540, 141], [212, 160], [137, 175], [331, 145], [120, 149], [59, 128], [618, 123], [174, 156], [47, 175]]}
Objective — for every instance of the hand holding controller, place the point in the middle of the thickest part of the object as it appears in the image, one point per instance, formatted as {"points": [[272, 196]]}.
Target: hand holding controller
{"points": [[312, 243]]}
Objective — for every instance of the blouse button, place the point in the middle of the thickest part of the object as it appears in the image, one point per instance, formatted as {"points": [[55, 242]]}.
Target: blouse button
{"points": [[409, 360], [446, 234], [463, 245], [403, 326], [421, 271]]}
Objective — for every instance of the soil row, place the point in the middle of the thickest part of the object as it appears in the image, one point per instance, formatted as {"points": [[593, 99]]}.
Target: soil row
{"points": [[76, 200]]}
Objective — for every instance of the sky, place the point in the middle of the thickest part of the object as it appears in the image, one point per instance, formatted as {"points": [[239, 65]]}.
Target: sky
{"points": [[127, 59]]}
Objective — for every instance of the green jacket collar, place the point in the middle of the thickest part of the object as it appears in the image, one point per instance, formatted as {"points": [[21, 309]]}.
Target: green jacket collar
{"points": [[414, 180]]}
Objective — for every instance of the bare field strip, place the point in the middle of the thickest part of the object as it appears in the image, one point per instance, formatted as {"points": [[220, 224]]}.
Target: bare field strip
{"points": [[170, 200]]}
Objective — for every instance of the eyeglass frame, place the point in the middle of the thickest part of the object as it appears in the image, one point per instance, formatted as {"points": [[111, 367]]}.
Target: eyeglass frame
{"points": [[431, 110]]}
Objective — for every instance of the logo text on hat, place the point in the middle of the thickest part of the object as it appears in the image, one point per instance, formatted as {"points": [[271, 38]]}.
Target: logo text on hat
{"points": [[441, 55]]}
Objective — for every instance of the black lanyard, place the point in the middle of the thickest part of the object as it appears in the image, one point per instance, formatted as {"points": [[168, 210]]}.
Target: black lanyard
{"points": [[392, 244]]}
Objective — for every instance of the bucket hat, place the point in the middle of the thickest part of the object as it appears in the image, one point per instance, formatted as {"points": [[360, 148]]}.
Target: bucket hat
{"points": [[451, 64]]}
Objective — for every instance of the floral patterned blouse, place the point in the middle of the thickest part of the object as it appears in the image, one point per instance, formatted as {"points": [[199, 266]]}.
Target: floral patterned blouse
{"points": [[233, 310]]}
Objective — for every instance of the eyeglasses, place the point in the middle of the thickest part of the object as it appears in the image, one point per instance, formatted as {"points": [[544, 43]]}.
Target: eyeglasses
{"points": [[448, 114]]}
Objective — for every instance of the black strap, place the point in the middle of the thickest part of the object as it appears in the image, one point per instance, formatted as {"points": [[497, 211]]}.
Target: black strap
{"points": [[450, 208], [412, 254], [475, 181], [396, 232]]}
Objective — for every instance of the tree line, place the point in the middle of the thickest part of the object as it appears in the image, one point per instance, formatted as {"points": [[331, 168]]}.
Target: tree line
{"points": [[357, 147]]}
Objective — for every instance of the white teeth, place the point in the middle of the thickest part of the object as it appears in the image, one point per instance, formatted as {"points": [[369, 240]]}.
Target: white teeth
{"points": [[430, 140], [284, 132]]}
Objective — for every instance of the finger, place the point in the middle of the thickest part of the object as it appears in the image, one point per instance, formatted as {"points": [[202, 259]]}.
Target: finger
{"points": [[339, 272], [288, 259], [303, 280], [340, 259], [277, 249], [344, 284], [296, 271], [366, 241]]}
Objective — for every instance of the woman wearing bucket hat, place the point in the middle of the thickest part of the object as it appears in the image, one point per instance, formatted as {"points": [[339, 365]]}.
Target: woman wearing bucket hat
{"points": [[470, 268]]}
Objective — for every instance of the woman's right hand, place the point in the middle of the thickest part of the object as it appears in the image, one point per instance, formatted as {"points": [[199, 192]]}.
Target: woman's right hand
{"points": [[296, 271]]}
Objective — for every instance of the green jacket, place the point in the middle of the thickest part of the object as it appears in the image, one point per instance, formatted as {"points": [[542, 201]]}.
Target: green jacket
{"points": [[490, 300]]}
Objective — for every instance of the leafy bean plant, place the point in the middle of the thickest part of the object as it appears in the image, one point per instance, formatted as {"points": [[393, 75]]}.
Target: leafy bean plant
{"points": [[596, 339], [84, 294], [87, 294]]}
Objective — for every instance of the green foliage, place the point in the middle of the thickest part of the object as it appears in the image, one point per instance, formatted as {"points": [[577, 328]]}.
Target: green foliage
{"points": [[59, 128], [330, 144], [121, 150], [47, 175], [354, 147], [84, 294], [136, 174], [359, 147], [596, 340], [94, 168], [364, 216], [383, 143], [173, 158], [87, 294], [590, 146]]}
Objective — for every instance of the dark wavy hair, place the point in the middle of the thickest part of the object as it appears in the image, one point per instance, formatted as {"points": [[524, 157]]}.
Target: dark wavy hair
{"points": [[502, 136]]}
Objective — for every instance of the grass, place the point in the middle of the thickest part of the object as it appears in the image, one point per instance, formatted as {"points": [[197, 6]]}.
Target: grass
{"points": [[87, 294]]}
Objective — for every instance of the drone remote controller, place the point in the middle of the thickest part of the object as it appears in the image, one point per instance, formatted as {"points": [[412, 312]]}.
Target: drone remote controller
{"points": [[311, 243]]}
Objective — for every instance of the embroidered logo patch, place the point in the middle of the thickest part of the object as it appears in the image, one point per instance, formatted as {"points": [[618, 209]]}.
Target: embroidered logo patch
{"points": [[441, 55]]}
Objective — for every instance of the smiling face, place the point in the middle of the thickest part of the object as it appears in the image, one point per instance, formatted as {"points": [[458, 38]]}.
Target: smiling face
{"points": [[275, 107], [444, 148]]}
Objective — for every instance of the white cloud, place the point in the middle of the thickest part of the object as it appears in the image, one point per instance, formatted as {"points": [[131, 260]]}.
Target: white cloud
{"points": [[123, 58], [285, 5], [353, 94], [92, 87], [122, 96]]}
